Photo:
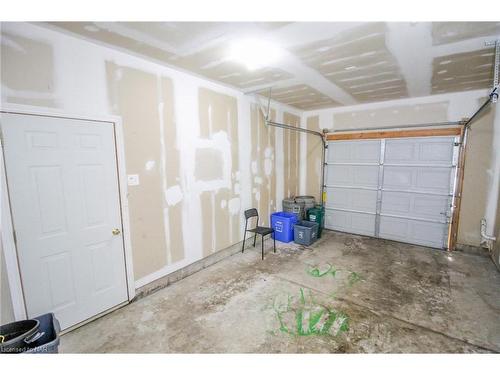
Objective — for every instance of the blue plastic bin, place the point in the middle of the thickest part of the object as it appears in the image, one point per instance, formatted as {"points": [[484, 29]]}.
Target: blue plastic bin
{"points": [[282, 223]]}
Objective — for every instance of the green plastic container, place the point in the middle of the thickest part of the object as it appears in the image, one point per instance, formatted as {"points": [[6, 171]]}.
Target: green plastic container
{"points": [[317, 215]]}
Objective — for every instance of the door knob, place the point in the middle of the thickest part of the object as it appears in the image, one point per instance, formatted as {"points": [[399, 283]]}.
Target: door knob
{"points": [[116, 232]]}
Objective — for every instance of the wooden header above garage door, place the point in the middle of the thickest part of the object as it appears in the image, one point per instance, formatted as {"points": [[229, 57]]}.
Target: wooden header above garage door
{"points": [[437, 132]]}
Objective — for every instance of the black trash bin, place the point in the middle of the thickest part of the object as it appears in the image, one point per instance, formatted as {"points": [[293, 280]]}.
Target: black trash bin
{"points": [[41, 337], [49, 341], [15, 336]]}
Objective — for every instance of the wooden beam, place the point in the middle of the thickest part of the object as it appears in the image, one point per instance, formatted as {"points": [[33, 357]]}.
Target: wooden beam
{"points": [[438, 132], [453, 228]]}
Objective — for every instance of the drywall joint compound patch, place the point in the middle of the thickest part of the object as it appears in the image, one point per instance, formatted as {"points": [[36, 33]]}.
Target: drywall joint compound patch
{"points": [[234, 206], [207, 148], [173, 195]]}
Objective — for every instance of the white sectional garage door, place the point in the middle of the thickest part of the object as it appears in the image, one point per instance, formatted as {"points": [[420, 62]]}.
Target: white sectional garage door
{"points": [[399, 189]]}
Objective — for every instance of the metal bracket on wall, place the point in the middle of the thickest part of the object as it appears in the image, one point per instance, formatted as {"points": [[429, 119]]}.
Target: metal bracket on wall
{"points": [[496, 67]]}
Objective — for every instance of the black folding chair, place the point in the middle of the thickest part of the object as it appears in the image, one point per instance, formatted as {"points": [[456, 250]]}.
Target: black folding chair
{"points": [[263, 231]]}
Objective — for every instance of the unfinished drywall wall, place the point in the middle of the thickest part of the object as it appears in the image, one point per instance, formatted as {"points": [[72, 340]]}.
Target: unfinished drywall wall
{"points": [[191, 142], [173, 187], [151, 144], [314, 153], [496, 245], [477, 177], [141, 124], [291, 152], [263, 164], [220, 213], [478, 180], [494, 193], [393, 115], [27, 70]]}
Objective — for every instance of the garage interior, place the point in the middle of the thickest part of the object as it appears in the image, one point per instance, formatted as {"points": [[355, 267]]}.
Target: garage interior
{"points": [[132, 150]]}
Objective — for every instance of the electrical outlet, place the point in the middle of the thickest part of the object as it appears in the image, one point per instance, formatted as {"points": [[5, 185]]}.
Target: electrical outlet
{"points": [[133, 179]]}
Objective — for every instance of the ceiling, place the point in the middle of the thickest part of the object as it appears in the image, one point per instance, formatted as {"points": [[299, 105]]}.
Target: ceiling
{"points": [[322, 64]]}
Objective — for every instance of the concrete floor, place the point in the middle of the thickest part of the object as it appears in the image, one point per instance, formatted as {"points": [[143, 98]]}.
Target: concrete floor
{"points": [[344, 294]]}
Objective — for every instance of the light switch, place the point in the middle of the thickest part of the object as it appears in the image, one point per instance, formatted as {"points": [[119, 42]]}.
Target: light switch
{"points": [[133, 179]]}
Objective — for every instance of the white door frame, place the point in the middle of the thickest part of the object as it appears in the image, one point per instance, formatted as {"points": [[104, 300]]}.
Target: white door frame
{"points": [[7, 233]]}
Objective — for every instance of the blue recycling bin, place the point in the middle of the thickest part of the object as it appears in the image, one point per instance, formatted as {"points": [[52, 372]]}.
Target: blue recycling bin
{"points": [[282, 223]]}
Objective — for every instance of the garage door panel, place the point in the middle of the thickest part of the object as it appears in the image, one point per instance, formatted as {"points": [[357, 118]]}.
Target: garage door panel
{"points": [[398, 178], [436, 152], [353, 175], [422, 206], [413, 231], [422, 179], [419, 151], [354, 152], [352, 199], [397, 151], [351, 222], [434, 179]]}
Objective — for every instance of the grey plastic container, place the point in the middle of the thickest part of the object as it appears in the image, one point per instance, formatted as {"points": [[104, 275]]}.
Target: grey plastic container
{"points": [[291, 205], [305, 232], [309, 201], [48, 342]]}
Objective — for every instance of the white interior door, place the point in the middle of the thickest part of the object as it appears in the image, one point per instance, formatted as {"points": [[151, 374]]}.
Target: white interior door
{"points": [[399, 189], [63, 188]]}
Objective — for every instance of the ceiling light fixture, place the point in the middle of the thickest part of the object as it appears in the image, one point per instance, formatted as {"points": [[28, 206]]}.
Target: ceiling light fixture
{"points": [[254, 53]]}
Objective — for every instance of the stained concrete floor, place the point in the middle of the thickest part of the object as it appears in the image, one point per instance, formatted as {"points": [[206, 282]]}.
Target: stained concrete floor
{"points": [[344, 294]]}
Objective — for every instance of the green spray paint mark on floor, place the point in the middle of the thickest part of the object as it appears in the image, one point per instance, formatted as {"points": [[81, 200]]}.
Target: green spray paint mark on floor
{"points": [[328, 269], [354, 277], [304, 316], [321, 271]]}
